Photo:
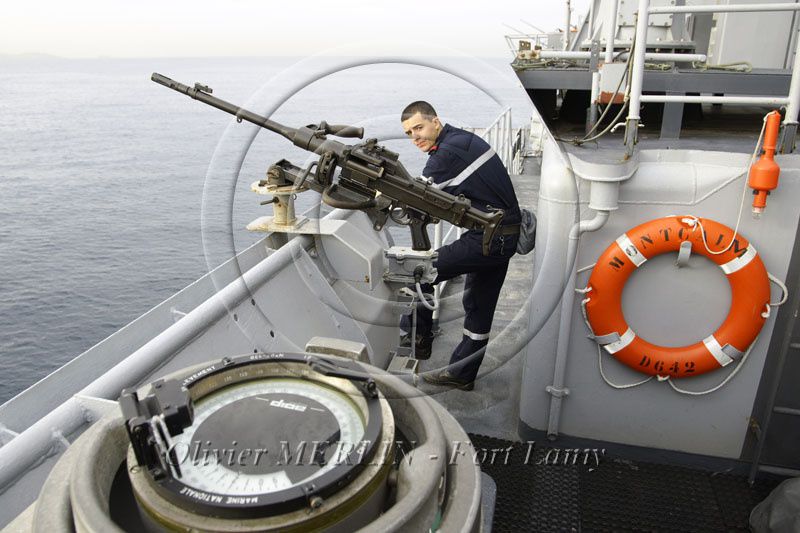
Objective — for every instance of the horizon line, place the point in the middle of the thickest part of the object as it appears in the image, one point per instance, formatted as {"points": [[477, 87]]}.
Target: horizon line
{"points": [[46, 55]]}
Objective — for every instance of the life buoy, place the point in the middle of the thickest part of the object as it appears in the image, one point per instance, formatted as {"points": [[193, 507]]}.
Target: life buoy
{"points": [[741, 264]]}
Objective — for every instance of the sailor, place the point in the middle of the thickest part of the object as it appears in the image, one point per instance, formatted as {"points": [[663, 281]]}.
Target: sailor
{"points": [[461, 163]]}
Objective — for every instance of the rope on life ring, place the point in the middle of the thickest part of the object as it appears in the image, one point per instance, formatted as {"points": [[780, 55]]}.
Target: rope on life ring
{"points": [[739, 261]]}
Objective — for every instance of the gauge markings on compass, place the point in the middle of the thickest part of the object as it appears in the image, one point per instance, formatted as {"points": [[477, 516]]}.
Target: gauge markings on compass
{"points": [[313, 439]]}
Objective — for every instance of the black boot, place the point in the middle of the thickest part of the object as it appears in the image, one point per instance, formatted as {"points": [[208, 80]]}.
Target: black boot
{"points": [[446, 379], [422, 346]]}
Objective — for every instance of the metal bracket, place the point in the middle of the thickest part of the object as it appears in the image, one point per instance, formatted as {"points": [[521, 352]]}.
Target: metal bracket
{"points": [[556, 392], [340, 347], [594, 59], [340, 370], [684, 253]]}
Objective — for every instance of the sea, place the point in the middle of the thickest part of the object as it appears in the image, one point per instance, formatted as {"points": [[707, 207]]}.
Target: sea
{"points": [[116, 192]]}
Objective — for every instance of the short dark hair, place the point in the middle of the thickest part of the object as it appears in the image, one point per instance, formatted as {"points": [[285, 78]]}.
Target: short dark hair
{"points": [[420, 106]]}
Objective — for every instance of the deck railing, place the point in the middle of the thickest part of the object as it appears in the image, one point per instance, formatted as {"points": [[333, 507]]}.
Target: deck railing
{"points": [[637, 75]]}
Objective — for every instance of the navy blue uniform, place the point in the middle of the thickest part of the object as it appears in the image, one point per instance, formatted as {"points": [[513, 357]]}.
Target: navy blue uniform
{"points": [[463, 163]]}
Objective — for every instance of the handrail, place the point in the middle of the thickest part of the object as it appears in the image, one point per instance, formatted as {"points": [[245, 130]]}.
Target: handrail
{"points": [[722, 8], [542, 40], [792, 100]]}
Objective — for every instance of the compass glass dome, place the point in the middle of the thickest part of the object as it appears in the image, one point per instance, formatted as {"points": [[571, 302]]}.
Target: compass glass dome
{"points": [[266, 436]]}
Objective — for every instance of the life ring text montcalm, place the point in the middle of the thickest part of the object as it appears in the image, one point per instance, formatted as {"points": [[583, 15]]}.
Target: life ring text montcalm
{"points": [[746, 274]]}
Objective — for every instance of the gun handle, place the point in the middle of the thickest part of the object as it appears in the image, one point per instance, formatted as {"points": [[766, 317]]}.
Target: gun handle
{"points": [[419, 233], [490, 230]]}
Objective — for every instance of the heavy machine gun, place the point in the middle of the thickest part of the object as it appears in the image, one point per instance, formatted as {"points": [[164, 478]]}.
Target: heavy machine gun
{"points": [[370, 178]]}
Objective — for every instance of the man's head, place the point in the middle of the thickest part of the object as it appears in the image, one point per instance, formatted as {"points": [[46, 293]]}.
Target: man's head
{"points": [[421, 124]]}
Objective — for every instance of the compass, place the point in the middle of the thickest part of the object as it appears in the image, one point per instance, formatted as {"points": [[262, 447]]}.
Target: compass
{"points": [[268, 443], [263, 436]]}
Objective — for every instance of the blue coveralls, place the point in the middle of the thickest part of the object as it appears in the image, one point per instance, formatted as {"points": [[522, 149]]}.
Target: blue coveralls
{"points": [[488, 187]]}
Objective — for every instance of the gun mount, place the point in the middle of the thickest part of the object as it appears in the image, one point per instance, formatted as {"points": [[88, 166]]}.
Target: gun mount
{"points": [[370, 177]]}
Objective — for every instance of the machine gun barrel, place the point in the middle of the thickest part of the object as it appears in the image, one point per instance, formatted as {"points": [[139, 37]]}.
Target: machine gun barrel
{"points": [[203, 94]]}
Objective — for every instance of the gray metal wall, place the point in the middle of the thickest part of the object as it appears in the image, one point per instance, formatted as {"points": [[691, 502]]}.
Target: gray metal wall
{"points": [[668, 306]]}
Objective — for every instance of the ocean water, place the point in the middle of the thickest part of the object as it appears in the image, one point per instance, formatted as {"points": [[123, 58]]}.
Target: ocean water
{"points": [[116, 192]]}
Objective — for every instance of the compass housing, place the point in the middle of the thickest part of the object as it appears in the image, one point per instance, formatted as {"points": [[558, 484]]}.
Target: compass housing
{"points": [[429, 482], [272, 439]]}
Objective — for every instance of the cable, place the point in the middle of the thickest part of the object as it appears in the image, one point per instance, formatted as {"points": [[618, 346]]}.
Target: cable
{"points": [[780, 284], [693, 221], [627, 90], [578, 142], [626, 76], [667, 379], [723, 382], [746, 353], [424, 300], [608, 382], [608, 128]]}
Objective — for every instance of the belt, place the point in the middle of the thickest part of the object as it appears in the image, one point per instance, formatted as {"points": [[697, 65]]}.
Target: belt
{"points": [[510, 229]]}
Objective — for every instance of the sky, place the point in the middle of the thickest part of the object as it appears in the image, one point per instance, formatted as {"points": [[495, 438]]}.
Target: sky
{"points": [[182, 28]]}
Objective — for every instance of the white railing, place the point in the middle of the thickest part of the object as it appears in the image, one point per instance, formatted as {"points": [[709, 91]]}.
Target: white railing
{"points": [[545, 41], [792, 100], [509, 144]]}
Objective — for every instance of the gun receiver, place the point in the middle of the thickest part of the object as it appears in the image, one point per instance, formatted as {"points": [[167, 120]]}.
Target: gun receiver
{"points": [[366, 169]]}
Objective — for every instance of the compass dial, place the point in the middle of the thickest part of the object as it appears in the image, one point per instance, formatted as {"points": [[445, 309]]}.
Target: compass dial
{"points": [[266, 436]]}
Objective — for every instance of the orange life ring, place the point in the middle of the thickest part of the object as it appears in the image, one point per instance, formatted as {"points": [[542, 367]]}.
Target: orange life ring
{"points": [[749, 290]]}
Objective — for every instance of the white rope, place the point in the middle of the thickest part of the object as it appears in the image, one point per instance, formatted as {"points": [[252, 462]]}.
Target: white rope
{"points": [[584, 269], [424, 299], [723, 382], [667, 378], [608, 382], [780, 284], [693, 221]]}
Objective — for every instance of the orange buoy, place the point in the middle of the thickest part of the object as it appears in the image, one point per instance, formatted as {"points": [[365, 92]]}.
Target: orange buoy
{"points": [[765, 172], [741, 264]]}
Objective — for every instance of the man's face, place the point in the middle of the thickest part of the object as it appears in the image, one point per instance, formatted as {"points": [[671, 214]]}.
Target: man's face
{"points": [[423, 131]]}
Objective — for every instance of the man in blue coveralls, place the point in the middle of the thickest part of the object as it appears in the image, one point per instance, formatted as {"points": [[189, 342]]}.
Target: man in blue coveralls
{"points": [[461, 163]]}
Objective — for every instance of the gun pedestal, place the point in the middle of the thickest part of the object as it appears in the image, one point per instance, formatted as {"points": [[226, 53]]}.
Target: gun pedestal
{"points": [[405, 270], [284, 219]]}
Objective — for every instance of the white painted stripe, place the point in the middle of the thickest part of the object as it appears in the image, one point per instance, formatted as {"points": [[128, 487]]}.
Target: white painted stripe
{"points": [[476, 336], [740, 262], [467, 172], [713, 347], [623, 341], [626, 245]]}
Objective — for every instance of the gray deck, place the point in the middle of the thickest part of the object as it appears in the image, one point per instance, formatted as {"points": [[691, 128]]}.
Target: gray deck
{"points": [[761, 81], [492, 408]]}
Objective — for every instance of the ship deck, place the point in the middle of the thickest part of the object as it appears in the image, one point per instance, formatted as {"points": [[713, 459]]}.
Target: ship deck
{"points": [[540, 488]]}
